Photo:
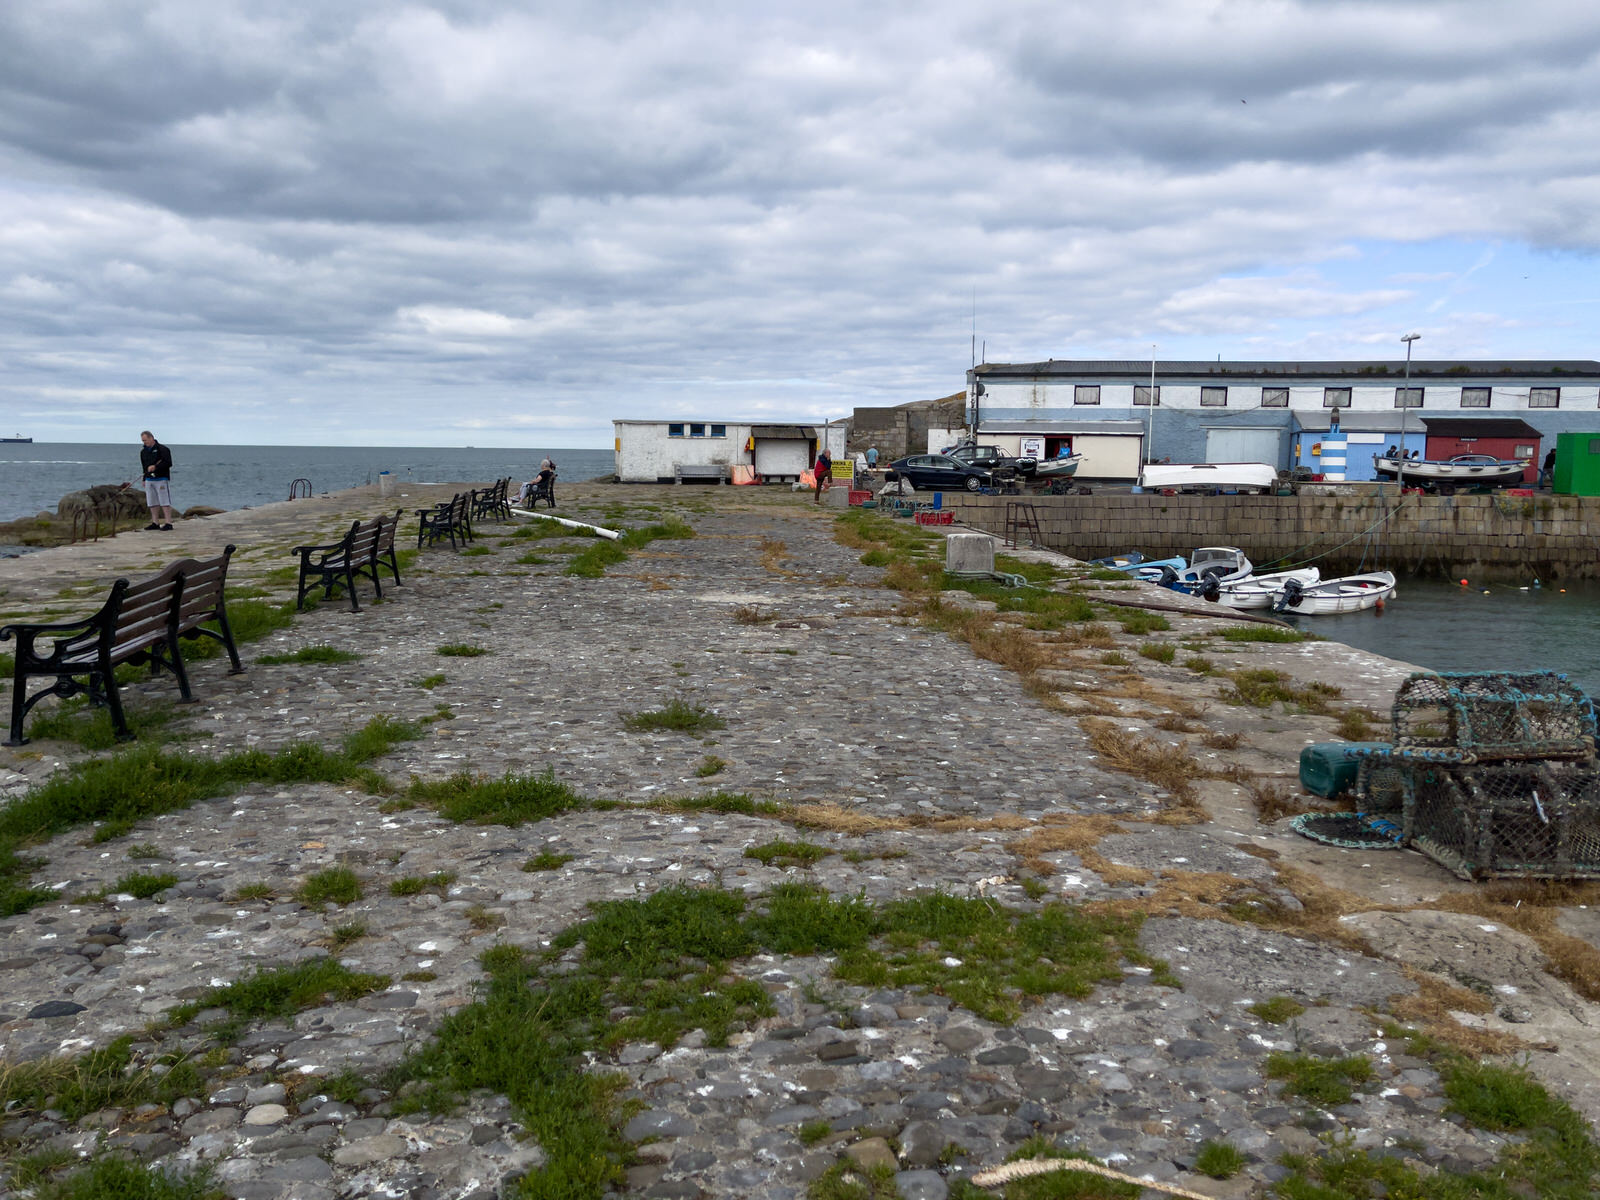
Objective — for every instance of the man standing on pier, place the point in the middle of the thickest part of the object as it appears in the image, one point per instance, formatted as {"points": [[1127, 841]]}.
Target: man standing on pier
{"points": [[156, 460]]}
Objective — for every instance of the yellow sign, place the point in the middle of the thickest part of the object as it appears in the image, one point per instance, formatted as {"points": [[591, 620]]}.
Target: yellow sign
{"points": [[844, 471]]}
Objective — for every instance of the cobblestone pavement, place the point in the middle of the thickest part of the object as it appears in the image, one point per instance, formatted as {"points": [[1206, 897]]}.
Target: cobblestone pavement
{"points": [[828, 698]]}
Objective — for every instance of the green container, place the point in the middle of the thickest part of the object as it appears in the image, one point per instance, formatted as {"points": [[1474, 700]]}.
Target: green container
{"points": [[1577, 464], [1328, 768]]}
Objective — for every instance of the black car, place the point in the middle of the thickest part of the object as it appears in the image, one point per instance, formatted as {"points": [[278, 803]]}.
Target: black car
{"points": [[992, 458], [940, 473]]}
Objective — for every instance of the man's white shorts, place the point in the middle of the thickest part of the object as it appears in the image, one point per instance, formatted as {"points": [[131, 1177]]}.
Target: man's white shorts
{"points": [[157, 493]]}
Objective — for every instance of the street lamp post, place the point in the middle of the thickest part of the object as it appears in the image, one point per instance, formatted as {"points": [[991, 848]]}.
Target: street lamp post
{"points": [[1405, 410]]}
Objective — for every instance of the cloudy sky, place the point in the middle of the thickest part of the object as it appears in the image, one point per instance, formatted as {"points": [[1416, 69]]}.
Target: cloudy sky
{"points": [[465, 222]]}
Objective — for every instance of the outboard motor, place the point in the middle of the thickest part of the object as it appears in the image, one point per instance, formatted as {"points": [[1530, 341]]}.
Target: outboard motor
{"points": [[1292, 593], [1211, 588], [1167, 578]]}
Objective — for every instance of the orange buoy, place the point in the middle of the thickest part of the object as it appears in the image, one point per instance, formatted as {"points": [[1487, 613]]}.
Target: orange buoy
{"points": [[1463, 583]]}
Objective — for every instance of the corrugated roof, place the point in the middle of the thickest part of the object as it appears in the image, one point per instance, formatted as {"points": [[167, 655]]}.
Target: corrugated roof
{"points": [[1505, 427], [1374, 370]]}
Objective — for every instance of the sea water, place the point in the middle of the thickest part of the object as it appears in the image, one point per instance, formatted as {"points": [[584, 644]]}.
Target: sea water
{"points": [[34, 477], [1480, 627]]}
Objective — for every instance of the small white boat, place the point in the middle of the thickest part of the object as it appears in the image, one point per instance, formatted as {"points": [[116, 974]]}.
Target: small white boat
{"points": [[1464, 470], [1259, 591], [1259, 477], [1353, 593], [1054, 468], [1210, 568]]}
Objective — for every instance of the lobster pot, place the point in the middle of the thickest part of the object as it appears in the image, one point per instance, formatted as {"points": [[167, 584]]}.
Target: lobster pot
{"points": [[1494, 715], [1382, 783], [1522, 820]]}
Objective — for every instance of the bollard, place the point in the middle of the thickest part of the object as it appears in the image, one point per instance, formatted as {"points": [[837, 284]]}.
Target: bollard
{"points": [[385, 484], [969, 552]]}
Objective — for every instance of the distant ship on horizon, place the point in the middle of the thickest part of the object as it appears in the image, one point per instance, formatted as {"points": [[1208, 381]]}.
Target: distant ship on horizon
{"points": [[18, 438]]}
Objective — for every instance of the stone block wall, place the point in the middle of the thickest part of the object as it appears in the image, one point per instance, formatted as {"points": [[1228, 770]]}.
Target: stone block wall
{"points": [[1490, 536]]}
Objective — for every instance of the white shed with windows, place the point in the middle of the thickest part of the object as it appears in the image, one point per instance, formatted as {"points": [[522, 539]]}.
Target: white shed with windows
{"points": [[662, 451]]}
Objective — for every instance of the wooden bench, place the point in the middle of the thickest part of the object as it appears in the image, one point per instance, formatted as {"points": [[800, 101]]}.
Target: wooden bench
{"points": [[451, 519], [360, 552], [709, 472], [493, 501], [139, 622]]}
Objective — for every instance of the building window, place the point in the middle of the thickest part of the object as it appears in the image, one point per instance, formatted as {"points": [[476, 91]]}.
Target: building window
{"points": [[1335, 397], [719, 431], [1544, 397], [1405, 397], [1474, 397], [1524, 451], [1274, 397], [697, 431], [1142, 395], [1086, 393], [1213, 397], [675, 430]]}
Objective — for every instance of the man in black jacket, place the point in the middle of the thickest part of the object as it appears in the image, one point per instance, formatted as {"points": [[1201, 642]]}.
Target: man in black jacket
{"points": [[156, 460]]}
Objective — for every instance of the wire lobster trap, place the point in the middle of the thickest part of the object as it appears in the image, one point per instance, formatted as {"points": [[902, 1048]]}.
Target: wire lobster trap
{"points": [[1491, 774]]}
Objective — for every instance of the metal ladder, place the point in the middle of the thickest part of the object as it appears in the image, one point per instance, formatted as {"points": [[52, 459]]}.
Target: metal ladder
{"points": [[1022, 519]]}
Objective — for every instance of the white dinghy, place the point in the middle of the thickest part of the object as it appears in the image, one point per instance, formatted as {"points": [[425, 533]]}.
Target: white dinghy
{"points": [[1259, 591], [1353, 593]]}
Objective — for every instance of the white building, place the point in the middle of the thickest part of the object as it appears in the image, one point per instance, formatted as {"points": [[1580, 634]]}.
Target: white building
{"points": [[673, 451]]}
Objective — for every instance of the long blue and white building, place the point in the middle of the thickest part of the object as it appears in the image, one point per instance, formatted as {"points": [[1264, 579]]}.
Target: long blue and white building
{"points": [[1281, 413]]}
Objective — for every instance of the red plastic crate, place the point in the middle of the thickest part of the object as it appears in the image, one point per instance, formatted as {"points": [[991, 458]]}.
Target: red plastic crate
{"points": [[859, 498], [1519, 491], [936, 518]]}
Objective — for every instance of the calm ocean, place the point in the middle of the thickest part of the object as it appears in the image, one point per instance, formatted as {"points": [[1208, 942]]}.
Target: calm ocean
{"points": [[34, 477]]}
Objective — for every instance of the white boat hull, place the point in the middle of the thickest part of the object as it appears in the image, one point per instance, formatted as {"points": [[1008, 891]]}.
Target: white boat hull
{"points": [[1206, 476], [1259, 591], [1469, 470], [1057, 468], [1353, 593]]}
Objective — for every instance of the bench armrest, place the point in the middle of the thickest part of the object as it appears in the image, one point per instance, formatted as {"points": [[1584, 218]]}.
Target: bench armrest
{"points": [[306, 551], [32, 631]]}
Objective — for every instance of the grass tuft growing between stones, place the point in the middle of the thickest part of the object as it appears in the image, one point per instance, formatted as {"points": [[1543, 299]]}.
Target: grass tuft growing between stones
{"points": [[593, 561], [111, 1178], [1275, 1010], [310, 654], [102, 1078], [278, 992], [332, 885], [460, 650], [511, 799], [144, 884], [654, 969], [1219, 1160], [1266, 633], [118, 791], [1325, 1081], [548, 860], [741, 803], [1262, 688], [675, 716], [415, 885], [788, 854]]}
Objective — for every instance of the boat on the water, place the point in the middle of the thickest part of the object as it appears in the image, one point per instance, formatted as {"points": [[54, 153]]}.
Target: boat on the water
{"points": [[1464, 470], [1352, 593], [1225, 477], [1259, 591], [19, 438]]}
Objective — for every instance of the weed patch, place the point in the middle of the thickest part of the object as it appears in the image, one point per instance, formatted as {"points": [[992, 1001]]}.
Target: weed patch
{"points": [[787, 854], [1275, 1010], [102, 1078], [428, 682], [277, 992], [143, 782], [1325, 1081], [741, 803], [110, 1178], [1171, 768], [1262, 688], [1219, 1160], [711, 765], [333, 885], [143, 885], [1161, 652], [1265, 633], [676, 716], [310, 654], [1138, 621], [459, 650], [547, 860], [511, 799], [414, 885]]}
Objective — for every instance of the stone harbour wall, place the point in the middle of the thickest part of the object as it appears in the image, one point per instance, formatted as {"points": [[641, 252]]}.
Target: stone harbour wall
{"points": [[1552, 537]]}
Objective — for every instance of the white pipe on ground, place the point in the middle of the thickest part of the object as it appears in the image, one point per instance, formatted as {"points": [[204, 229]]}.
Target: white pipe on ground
{"points": [[610, 535]]}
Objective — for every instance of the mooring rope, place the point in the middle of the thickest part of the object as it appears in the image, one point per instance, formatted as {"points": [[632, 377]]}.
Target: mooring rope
{"points": [[1008, 1172], [1284, 561]]}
